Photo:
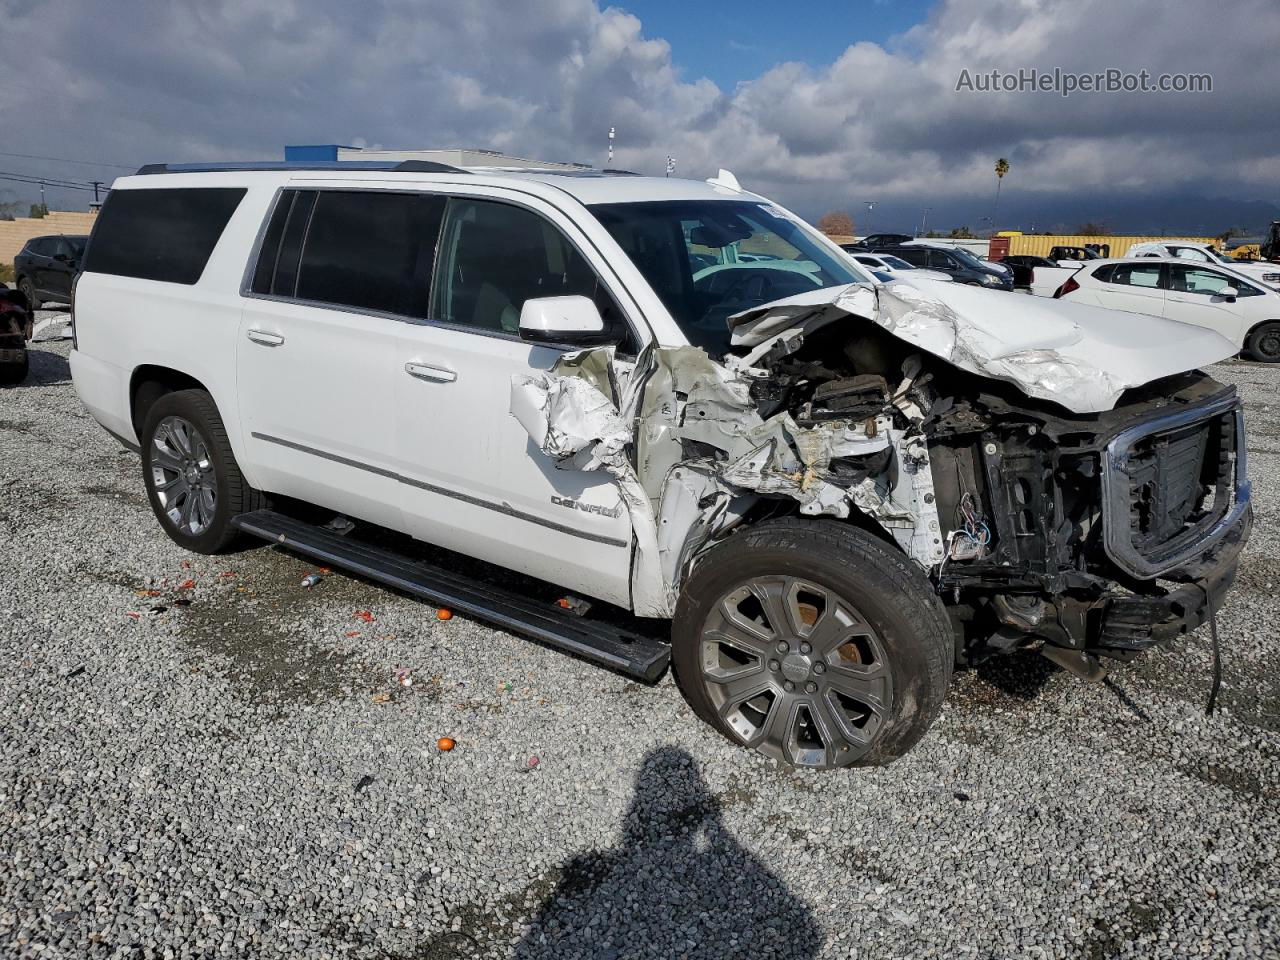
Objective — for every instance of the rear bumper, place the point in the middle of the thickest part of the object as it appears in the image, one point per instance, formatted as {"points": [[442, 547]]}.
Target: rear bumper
{"points": [[1141, 622], [103, 389]]}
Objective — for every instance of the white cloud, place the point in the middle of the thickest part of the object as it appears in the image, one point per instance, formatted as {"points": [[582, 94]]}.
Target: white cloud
{"points": [[150, 80]]}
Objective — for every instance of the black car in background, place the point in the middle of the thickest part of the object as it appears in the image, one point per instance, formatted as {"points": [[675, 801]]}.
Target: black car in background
{"points": [[46, 266], [962, 265], [16, 323], [1022, 264], [875, 241]]}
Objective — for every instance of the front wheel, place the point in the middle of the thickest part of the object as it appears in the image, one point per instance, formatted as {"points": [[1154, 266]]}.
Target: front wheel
{"points": [[193, 481], [1264, 343], [814, 643]]}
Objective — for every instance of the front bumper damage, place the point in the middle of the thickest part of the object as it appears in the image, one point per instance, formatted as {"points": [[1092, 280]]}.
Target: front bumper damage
{"points": [[1137, 622]]}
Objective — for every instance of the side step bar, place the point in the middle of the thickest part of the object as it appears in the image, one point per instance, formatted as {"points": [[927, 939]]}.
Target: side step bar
{"points": [[605, 644]]}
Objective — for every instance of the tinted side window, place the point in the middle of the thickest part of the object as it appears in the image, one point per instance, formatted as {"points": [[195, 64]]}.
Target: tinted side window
{"points": [[941, 260], [1104, 273], [371, 249], [265, 272], [164, 235], [495, 256], [915, 256]]}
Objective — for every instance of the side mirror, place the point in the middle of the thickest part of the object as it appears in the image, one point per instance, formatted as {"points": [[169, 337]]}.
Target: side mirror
{"points": [[569, 320], [61, 257], [1229, 293]]}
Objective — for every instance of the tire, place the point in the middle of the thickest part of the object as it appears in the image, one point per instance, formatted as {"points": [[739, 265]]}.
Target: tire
{"points": [[193, 481], [1264, 342], [12, 374], [879, 633], [29, 291]]}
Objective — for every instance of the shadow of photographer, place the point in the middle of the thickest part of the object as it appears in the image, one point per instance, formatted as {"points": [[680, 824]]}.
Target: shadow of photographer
{"points": [[678, 885]]}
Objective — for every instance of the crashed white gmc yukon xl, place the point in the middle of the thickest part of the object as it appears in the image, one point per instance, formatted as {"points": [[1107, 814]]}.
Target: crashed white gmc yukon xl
{"points": [[677, 398]]}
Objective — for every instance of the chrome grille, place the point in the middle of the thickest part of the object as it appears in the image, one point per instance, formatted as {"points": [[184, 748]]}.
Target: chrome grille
{"points": [[1173, 486]]}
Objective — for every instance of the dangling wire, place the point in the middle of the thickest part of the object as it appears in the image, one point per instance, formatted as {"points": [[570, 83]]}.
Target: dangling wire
{"points": [[1217, 658]]}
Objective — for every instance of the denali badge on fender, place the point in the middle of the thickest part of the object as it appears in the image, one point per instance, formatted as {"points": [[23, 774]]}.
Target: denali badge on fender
{"points": [[587, 507]]}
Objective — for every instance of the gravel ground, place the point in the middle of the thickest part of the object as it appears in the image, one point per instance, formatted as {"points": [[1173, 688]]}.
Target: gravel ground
{"points": [[200, 758]]}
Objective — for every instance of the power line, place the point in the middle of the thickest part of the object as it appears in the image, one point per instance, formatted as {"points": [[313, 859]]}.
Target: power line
{"points": [[45, 181], [85, 163], [51, 181]]}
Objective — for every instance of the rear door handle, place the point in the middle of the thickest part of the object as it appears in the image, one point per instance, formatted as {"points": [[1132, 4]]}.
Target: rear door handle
{"points": [[266, 339], [425, 371]]}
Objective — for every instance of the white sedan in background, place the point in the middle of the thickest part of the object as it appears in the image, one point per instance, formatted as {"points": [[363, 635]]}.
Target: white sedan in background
{"points": [[1239, 307], [897, 267], [1267, 273]]}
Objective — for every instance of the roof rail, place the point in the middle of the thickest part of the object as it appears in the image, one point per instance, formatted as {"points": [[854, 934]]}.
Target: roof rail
{"points": [[397, 166]]}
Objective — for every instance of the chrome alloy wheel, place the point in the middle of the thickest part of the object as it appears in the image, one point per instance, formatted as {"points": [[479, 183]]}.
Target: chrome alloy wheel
{"points": [[796, 672], [182, 476]]}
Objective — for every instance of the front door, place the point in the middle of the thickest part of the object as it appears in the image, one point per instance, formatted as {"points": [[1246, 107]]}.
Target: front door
{"points": [[1194, 297], [474, 481]]}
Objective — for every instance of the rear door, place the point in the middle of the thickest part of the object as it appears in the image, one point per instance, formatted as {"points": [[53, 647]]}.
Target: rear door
{"points": [[474, 481], [1136, 287], [338, 273], [40, 253]]}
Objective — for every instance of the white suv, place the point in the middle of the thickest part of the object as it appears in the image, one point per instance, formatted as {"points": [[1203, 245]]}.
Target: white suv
{"points": [[674, 397]]}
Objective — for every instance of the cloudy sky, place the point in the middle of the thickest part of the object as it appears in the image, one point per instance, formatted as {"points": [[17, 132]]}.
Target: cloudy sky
{"points": [[822, 105]]}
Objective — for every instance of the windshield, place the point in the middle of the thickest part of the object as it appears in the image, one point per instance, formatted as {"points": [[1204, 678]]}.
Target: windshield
{"points": [[969, 260], [709, 259]]}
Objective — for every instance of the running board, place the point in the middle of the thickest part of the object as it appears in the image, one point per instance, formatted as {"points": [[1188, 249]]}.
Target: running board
{"points": [[601, 643]]}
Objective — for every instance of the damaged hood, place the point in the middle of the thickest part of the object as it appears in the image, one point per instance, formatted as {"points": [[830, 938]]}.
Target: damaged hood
{"points": [[1079, 356]]}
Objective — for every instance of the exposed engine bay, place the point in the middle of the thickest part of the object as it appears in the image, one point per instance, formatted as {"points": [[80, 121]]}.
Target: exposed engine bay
{"points": [[1047, 498]]}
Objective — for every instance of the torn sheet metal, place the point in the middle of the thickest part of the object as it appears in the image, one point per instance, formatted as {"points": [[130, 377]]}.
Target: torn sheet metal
{"points": [[704, 454], [1073, 354]]}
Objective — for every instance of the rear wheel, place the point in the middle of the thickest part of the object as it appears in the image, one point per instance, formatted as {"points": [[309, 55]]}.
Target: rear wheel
{"points": [[29, 291], [193, 481], [814, 643], [1264, 342]]}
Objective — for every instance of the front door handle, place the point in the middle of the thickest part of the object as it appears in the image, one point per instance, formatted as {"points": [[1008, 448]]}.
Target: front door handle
{"points": [[424, 371], [266, 339]]}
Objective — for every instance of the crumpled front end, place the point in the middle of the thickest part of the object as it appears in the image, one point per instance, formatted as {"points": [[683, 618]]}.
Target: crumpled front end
{"points": [[887, 407]]}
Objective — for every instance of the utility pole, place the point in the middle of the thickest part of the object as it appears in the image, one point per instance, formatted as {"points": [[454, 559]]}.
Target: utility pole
{"points": [[924, 221], [871, 205], [43, 205], [96, 185], [671, 165], [611, 147]]}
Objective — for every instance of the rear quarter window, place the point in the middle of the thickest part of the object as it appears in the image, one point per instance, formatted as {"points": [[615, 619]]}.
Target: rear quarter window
{"points": [[165, 235]]}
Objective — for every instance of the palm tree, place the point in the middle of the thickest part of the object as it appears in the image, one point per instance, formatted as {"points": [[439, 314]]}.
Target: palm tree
{"points": [[1002, 167]]}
